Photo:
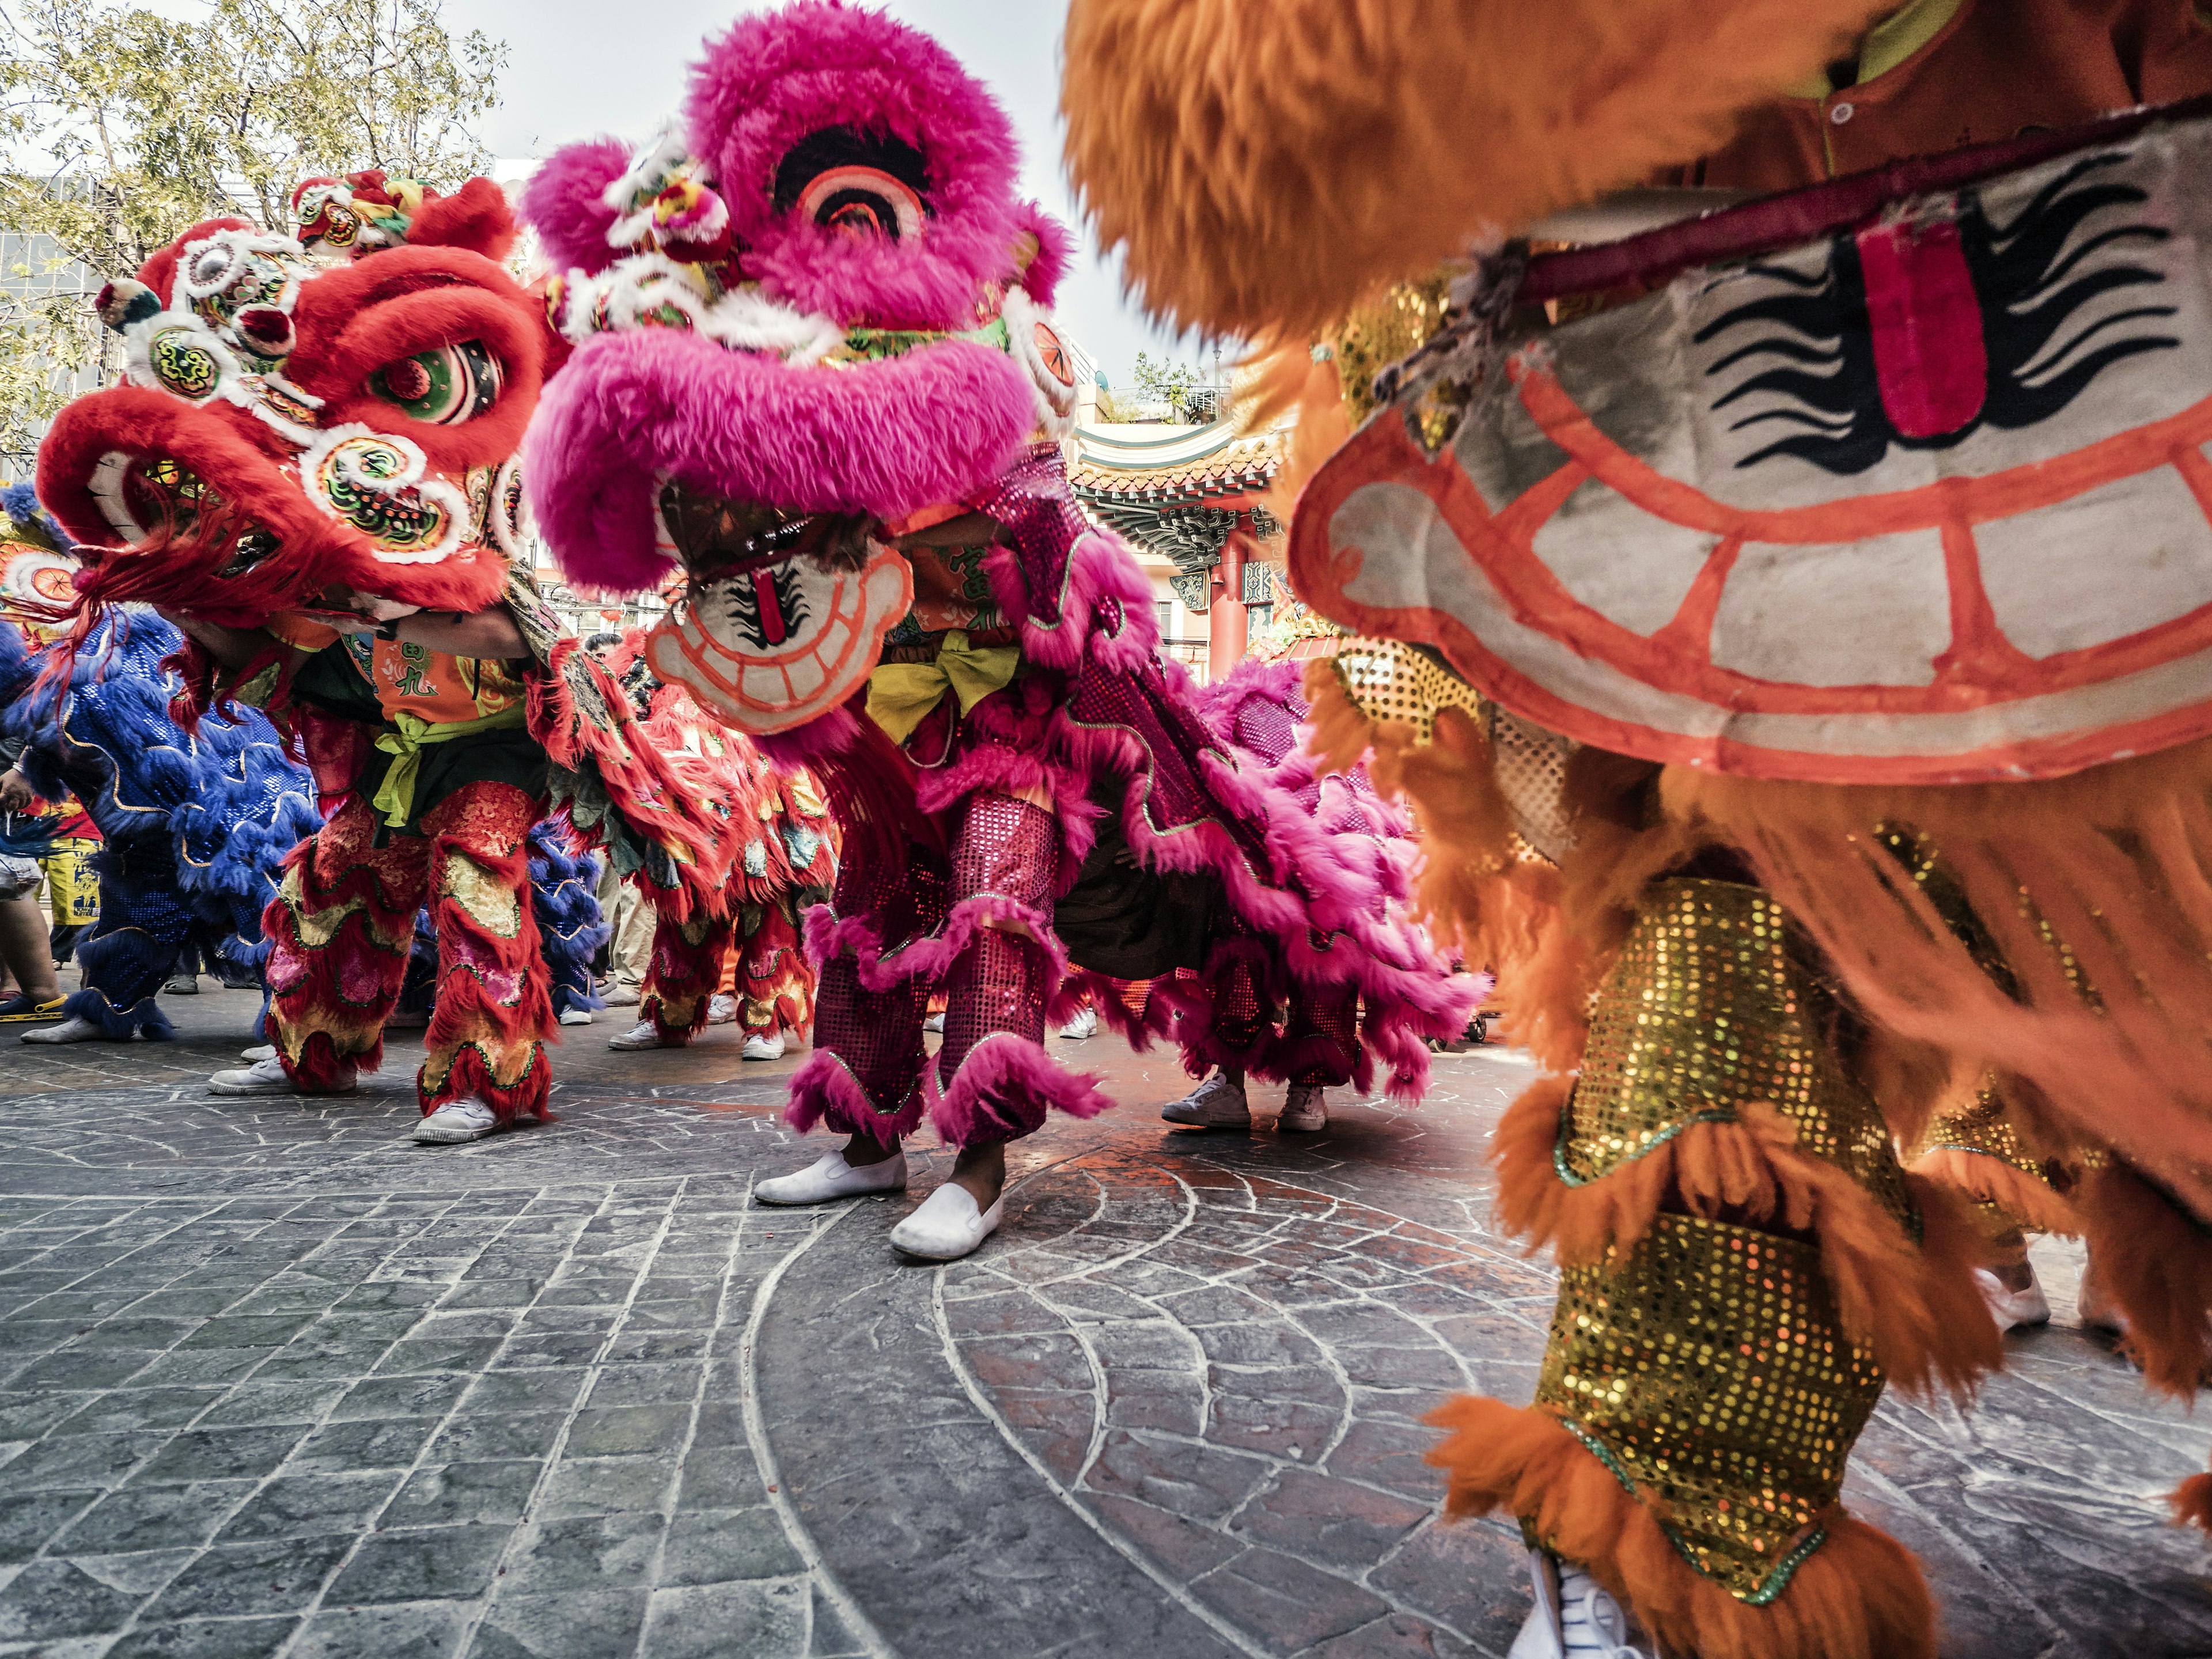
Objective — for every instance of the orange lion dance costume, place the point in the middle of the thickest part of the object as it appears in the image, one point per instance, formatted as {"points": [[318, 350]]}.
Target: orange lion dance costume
{"points": [[1812, 586]]}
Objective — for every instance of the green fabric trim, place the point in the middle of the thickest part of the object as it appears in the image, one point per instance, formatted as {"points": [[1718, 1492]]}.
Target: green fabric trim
{"points": [[1771, 1587]]}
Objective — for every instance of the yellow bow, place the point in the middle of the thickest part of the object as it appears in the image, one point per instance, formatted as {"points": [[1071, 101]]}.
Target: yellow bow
{"points": [[902, 694], [395, 796]]}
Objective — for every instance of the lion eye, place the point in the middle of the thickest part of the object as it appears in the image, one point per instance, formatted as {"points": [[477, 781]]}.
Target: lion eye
{"points": [[858, 184], [862, 201], [445, 386]]}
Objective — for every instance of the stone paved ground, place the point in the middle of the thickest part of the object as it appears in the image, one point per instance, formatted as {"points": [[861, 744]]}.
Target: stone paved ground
{"points": [[274, 1380]]}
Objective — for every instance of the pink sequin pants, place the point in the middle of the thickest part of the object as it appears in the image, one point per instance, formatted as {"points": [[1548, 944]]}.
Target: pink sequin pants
{"points": [[996, 981]]}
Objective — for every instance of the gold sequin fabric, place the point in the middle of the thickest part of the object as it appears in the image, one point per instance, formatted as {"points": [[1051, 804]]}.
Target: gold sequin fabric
{"points": [[1981, 1128], [1390, 680], [1715, 1003], [1706, 1367]]}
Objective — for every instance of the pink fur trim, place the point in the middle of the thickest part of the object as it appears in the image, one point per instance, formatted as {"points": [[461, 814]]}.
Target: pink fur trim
{"points": [[562, 203], [771, 80], [875, 438], [1005, 1087], [824, 1090], [1056, 253], [1063, 633], [930, 956]]}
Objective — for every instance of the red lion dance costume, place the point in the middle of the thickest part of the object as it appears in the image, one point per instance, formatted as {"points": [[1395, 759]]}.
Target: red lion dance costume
{"points": [[783, 861], [812, 364], [1826, 586], [318, 435]]}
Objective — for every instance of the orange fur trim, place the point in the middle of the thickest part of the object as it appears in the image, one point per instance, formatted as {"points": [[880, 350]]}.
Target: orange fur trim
{"points": [[1266, 166], [2029, 1203], [2117, 861], [2192, 1502], [1913, 1306], [2158, 1266], [1860, 1595], [1291, 379]]}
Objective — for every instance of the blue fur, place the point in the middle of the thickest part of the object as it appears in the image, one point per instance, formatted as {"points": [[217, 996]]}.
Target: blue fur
{"points": [[196, 827], [563, 895]]}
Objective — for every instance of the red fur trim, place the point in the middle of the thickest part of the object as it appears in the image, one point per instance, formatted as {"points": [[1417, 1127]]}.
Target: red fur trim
{"points": [[1003, 1089], [2192, 1502], [470, 1073], [2156, 1263]]}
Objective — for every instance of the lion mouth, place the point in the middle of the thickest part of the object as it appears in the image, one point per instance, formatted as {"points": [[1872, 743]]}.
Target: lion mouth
{"points": [[717, 539]]}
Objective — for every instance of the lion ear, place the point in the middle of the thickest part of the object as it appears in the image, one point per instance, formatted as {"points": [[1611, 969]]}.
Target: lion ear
{"points": [[565, 202], [475, 218], [1042, 252]]}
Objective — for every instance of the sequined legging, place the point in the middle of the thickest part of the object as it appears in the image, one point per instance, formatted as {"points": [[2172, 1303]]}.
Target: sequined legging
{"points": [[1002, 864]]}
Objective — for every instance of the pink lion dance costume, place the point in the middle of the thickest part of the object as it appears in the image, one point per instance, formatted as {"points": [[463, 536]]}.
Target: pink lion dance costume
{"points": [[812, 364]]}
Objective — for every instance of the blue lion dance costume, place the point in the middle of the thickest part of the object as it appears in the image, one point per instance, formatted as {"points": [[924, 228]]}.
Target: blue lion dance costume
{"points": [[196, 827]]}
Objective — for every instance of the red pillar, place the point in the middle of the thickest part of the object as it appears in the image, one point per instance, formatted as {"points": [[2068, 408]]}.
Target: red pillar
{"points": [[1225, 622]]}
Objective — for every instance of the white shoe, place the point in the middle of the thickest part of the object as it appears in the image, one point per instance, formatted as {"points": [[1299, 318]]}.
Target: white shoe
{"points": [[721, 1011], [457, 1120], [408, 1019], [258, 1051], [267, 1077], [830, 1177], [2012, 1307], [1085, 1024], [934, 1025], [576, 1016], [1573, 1618], [75, 1029], [1305, 1109], [1216, 1103], [947, 1225], [621, 996], [643, 1035], [769, 1046], [181, 985]]}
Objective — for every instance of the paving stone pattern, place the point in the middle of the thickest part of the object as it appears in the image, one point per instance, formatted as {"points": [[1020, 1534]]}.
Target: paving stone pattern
{"points": [[275, 1382]]}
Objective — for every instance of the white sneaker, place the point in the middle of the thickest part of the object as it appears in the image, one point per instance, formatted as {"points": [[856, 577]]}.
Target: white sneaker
{"points": [[181, 985], [1216, 1103], [620, 996], [575, 1017], [75, 1029], [764, 1045], [1573, 1617], [258, 1051], [934, 1025], [947, 1225], [1085, 1024], [830, 1177], [2012, 1307], [1305, 1109], [267, 1077], [721, 1010], [643, 1035], [465, 1119]]}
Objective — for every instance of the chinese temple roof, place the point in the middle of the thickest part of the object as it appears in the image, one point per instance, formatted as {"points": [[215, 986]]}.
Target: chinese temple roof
{"points": [[1163, 465]]}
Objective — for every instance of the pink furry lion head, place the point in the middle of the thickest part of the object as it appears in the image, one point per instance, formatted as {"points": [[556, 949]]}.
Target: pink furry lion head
{"points": [[820, 296]]}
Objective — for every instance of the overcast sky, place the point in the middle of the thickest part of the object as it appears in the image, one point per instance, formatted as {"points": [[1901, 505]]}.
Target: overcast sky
{"points": [[580, 68]]}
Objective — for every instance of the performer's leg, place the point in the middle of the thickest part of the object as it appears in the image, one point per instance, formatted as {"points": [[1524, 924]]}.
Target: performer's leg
{"points": [[688, 958], [1977, 1153], [339, 931], [996, 1082], [774, 986], [144, 926], [1228, 1023], [864, 1078], [1320, 1042], [1743, 1265], [487, 1038]]}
